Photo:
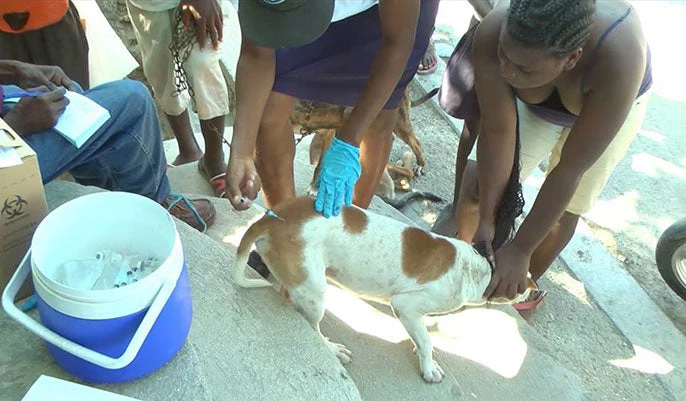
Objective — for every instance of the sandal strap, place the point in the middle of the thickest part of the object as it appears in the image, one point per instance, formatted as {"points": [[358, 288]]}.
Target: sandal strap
{"points": [[220, 176], [176, 198]]}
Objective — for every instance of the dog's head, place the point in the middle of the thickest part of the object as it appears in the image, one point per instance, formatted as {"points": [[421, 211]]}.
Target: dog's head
{"points": [[530, 288]]}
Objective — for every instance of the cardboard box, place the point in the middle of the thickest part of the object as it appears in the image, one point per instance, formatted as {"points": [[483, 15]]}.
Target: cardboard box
{"points": [[22, 207]]}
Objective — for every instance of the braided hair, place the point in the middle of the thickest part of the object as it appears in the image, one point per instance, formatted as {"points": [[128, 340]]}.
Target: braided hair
{"points": [[557, 26]]}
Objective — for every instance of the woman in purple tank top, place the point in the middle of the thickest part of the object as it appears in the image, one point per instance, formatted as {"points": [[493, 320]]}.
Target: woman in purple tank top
{"points": [[566, 80]]}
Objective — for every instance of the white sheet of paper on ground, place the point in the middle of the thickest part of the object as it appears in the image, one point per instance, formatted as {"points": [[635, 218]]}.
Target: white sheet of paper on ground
{"points": [[80, 119], [8, 155], [53, 389]]}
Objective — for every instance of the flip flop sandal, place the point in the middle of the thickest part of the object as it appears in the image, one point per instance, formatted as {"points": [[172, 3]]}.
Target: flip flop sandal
{"points": [[532, 302], [427, 71], [218, 182], [176, 199]]}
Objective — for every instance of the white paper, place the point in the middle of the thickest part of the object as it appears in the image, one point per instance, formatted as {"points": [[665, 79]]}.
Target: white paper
{"points": [[81, 119], [9, 157], [48, 388]]}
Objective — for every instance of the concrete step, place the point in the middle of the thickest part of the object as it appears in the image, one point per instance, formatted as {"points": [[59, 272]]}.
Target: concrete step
{"points": [[488, 354], [243, 345]]}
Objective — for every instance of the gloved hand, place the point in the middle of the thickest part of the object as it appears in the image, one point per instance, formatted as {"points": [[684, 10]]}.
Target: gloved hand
{"points": [[338, 175]]}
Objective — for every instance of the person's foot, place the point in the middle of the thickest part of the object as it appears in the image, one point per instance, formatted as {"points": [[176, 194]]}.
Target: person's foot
{"points": [[527, 307], [187, 157], [446, 223], [197, 213], [214, 172], [429, 61], [213, 164]]}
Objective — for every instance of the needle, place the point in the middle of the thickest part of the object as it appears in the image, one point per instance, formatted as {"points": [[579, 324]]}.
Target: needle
{"points": [[263, 209]]}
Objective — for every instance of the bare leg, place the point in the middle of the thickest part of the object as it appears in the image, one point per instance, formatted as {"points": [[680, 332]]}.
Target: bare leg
{"points": [[276, 150], [374, 152], [447, 222], [189, 151], [556, 240], [213, 132]]}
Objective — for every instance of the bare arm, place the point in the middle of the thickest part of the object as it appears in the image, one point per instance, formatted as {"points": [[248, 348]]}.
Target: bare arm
{"points": [[27, 75], [605, 109], [254, 81], [9, 72], [495, 148], [398, 26]]}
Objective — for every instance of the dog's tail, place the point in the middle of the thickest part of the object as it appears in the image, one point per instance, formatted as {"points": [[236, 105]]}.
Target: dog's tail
{"points": [[254, 234], [424, 98]]}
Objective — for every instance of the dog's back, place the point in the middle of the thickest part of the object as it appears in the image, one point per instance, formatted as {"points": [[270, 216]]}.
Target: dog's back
{"points": [[369, 254]]}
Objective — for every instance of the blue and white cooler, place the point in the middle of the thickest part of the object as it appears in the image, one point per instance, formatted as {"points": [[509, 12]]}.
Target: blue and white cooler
{"points": [[107, 329]]}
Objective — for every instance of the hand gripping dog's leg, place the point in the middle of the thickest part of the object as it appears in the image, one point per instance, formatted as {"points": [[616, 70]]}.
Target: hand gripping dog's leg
{"points": [[405, 307]]}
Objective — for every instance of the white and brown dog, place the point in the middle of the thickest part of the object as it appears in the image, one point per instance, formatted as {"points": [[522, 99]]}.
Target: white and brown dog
{"points": [[378, 258]]}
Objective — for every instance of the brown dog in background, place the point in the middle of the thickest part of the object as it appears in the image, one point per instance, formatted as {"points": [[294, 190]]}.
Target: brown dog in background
{"points": [[312, 117], [323, 120]]}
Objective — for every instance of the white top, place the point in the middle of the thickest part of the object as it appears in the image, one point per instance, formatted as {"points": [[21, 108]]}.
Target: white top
{"points": [[342, 8], [155, 5], [347, 8]]}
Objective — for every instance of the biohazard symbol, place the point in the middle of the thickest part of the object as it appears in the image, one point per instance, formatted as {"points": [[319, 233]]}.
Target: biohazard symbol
{"points": [[13, 207]]}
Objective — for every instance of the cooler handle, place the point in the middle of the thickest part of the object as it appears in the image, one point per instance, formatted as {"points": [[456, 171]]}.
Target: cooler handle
{"points": [[18, 279]]}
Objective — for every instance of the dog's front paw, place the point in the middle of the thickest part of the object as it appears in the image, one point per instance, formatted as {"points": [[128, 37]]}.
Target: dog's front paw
{"points": [[342, 353], [431, 372]]}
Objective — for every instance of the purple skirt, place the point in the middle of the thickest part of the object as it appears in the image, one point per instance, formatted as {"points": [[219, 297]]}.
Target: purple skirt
{"points": [[334, 68]]}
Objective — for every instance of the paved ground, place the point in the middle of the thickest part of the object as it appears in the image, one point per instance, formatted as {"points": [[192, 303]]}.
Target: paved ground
{"points": [[570, 327], [646, 192], [598, 336]]}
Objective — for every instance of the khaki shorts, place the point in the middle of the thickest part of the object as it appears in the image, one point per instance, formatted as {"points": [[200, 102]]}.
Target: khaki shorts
{"points": [[540, 139], [154, 32]]}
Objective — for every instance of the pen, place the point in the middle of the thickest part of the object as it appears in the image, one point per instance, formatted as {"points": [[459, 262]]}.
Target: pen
{"points": [[14, 95]]}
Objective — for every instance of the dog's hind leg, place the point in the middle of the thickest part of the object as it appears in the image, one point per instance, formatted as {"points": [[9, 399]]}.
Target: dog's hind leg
{"points": [[309, 299], [406, 307]]}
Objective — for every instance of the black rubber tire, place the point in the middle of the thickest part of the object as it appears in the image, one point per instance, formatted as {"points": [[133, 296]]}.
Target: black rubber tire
{"points": [[669, 242]]}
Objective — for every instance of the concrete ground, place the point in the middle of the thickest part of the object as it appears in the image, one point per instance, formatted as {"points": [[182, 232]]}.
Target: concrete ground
{"points": [[609, 329], [646, 192]]}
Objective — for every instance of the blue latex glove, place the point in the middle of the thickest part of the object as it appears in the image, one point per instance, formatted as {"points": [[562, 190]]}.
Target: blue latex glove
{"points": [[338, 175]]}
